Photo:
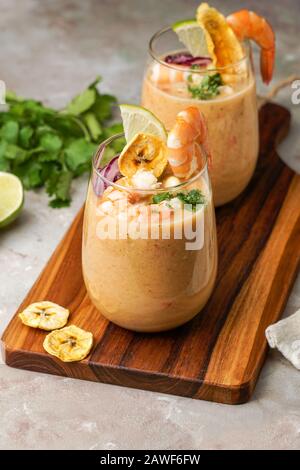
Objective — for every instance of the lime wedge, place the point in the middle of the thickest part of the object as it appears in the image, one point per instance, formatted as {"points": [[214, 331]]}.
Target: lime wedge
{"points": [[192, 36], [137, 119], [11, 198]]}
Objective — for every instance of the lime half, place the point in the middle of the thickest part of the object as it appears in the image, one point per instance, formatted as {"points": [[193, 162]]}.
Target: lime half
{"points": [[192, 36], [137, 119], [11, 198]]}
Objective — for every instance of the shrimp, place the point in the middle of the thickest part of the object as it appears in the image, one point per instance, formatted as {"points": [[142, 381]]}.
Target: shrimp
{"points": [[247, 24], [184, 142], [164, 75]]}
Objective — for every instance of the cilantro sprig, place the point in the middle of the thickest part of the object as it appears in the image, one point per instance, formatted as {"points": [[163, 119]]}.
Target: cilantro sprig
{"points": [[160, 197], [207, 89], [192, 198], [46, 147]]}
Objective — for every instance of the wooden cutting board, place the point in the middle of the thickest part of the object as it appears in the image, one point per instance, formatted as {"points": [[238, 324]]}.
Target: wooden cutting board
{"points": [[218, 355]]}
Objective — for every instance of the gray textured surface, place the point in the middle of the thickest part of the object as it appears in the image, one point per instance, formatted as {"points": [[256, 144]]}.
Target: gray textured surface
{"points": [[50, 50]]}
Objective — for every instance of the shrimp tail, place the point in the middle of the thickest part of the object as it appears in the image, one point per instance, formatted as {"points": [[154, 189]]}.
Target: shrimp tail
{"points": [[267, 57], [247, 24]]}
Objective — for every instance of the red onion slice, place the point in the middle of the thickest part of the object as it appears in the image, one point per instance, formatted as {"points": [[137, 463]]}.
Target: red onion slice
{"points": [[111, 172], [187, 60], [202, 61]]}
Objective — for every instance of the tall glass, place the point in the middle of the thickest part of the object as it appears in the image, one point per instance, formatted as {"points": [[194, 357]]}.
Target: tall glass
{"points": [[147, 267], [232, 116]]}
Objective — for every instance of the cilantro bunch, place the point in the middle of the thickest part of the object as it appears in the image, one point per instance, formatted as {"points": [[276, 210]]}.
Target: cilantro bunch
{"points": [[207, 89], [46, 147]]}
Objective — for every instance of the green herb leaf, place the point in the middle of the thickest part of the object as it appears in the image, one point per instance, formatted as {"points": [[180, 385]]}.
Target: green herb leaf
{"points": [[78, 153], [103, 106], [13, 152], [82, 102], [10, 132], [207, 89], [48, 157], [4, 163], [162, 197], [25, 136], [93, 125], [30, 174], [193, 198], [51, 142], [59, 185], [3, 146], [95, 82], [11, 97], [58, 203], [64, 125]]}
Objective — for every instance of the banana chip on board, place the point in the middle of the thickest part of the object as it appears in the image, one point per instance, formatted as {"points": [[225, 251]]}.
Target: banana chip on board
{"points": [[69, 344], [45, 315]]}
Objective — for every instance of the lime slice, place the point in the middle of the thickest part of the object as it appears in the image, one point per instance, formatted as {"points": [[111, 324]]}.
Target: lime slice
{"points": [[137, 119], [11, 198], [192, 36]]}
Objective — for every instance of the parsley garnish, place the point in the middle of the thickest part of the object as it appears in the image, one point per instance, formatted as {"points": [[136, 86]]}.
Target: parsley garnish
{"points": [[192, 198], [208, 88], [160, 197]]}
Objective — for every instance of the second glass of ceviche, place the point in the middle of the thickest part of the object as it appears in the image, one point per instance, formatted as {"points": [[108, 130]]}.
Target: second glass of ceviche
{"points": [[207, 63], [149, 238]]}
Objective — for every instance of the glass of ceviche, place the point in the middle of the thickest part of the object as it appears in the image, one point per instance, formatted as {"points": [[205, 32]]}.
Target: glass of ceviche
{"points": [[207, 63], [149, 238]]}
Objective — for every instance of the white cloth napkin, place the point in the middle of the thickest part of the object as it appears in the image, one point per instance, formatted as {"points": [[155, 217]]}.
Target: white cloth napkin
{"points": [[285, 336]]}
